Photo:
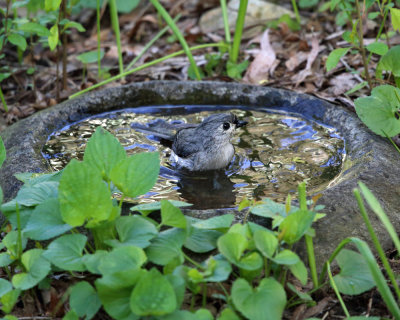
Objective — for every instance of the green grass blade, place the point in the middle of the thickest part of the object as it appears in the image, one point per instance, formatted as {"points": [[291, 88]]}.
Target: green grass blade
{"points": [[226, 21], [161, 10], [98, 38], [334, 287], [3, 101], [115, 25], [376, 207], [238, 31]]}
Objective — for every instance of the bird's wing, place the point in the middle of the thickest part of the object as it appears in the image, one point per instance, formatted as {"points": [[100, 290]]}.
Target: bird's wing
{"points": [[185, 143]]}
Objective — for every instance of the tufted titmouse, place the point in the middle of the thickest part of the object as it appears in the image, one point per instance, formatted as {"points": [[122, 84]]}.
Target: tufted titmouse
{"points": [[198, 147]]}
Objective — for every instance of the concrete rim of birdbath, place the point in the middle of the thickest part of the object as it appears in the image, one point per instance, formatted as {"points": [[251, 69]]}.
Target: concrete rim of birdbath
{"points": [[369, 158]]}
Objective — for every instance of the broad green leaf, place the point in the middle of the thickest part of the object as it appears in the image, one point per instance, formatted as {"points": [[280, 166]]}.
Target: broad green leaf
{"points": [[5, 286], [2, 152], [395, 14], [200, 314], [267, 301], [219, 222], [334, 57], [167, 246], [302, 295], [266, 242], [53, 37], [10, 241], [5, 259], [24, 216], [91, 57], [124, 6], [228, 314], [18, 40], [373, 15], [71, 315], [235, 70], [103, 151], [133, 230], [52, 5], [146, 208], [171, 215], [116, 302], [75, 25], [270, 209], [218, 269], [202, 240], [390, 62], [9, 300], [286, 257], [46, 222], [378, 110], [355, 276], [92, 261], [299, 270], [121, 267], [153, 295], [307, 3], [378, 48], [36, 28], [294, 226], [37, 194], [65, 252], [84, 300], [36, 268], [179, 286], [136, 174], [83, 195]]}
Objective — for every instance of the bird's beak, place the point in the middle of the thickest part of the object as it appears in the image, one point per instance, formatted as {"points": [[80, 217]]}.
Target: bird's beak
{"points": [[240, 123]]}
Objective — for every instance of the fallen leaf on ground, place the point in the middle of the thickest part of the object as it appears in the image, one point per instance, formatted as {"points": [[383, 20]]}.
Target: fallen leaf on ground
{"points": [[299, 78]]}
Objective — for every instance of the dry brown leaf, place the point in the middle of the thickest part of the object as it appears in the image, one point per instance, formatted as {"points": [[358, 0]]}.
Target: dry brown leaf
{"points": [[297, 59], [263, 63], [299, 78], [342, 83]]}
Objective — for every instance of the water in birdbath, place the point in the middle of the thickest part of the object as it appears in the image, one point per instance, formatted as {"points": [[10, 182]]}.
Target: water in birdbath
{"points": [[274, 153]]}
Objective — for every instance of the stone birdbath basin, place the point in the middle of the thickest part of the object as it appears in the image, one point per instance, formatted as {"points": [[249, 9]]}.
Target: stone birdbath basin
{"points": [[369, 158]]}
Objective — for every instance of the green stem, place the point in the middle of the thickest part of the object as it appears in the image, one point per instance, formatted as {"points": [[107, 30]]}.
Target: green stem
{"points": [[362, 48], [3, 101], [391, 140], [144, 66], [238, 31], [226, 21], [196, 264], [19, 244], [150, 43], [98, 39], [376, 243], [311, 260], [167, 18], [115, 25], [334, 287], [296, 11]]}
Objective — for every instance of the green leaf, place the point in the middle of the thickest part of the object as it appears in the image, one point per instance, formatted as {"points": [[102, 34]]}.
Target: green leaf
{"points": [[373, 15], [267, 301], [18, 40], [167, 246], [228, 314], [299, 270], [52, 5], [266, 242], [270, 209], [355, 276], [334, 57], [379, 48], [36, 194], [71, 315], [11, 243], [2, 152], [103, 150], [5, 259], [36, 268], [116, 301], [84, 300], [390, 61], [202, 240], [302, 295], [9, 300], [232, 246], [357, 87], [294, 226], [65, 252], [235, 70], [171, 215], [395, 14], [92, 261], [307, 3], [53, 37], [378, 110], [137, 174], [133, 230], [153, 295], [5, 286], [83, 195], [124, 6], [46, 222], [286, 257], [217, 269], [146, 208], [75, 25], [91, 57], [219, 222], [35, 28]]}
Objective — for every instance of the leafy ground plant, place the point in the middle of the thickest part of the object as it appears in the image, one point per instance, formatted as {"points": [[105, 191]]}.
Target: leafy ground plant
{"points": [[142, 265]]}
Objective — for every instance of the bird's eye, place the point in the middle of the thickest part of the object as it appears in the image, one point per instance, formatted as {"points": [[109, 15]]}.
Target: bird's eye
{"points": [[226, 126]]}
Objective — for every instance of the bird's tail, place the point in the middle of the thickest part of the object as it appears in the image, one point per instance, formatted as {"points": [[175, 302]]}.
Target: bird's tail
{"points": [[158, 128]]}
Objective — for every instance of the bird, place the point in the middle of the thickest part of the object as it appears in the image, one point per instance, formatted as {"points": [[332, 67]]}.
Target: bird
{"points": [[198, 147]]}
